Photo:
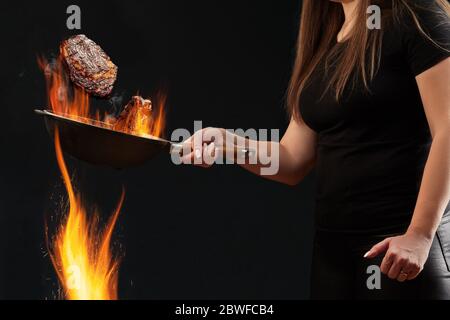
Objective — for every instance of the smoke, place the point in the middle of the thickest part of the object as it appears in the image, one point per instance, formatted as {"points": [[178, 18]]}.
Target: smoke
{"points": [[116, 103]]}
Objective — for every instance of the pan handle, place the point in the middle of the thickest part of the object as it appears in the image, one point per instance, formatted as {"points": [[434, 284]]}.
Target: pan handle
{"points": [[238, 153]]}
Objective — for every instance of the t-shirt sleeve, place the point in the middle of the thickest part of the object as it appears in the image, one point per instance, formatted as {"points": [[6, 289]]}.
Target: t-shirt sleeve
{"points": [[424, 52]]}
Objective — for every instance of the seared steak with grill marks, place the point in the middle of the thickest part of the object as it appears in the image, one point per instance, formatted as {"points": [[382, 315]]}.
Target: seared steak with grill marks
{"points": [[89, 66]]}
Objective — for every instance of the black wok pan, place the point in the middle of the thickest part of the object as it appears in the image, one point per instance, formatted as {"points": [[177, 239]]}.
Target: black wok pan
{"points": [[103, 146]]}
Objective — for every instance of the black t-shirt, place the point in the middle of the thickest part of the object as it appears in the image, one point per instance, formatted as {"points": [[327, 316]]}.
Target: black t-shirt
{"points": [[373, 146]]}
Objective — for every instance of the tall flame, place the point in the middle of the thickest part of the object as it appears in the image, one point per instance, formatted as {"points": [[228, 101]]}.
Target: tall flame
{"points": [[80, 251]]}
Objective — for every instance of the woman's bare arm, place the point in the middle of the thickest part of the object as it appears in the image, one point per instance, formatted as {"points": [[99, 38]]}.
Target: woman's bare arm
{"points": [[297, 154], [406, 255], [296, 151], [434, 86]]}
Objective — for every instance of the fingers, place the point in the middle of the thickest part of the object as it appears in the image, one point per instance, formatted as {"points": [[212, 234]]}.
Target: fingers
{"points": [[402, 277], [404, 269], [400, 267], [414, 272], [404, 273], [201, 137], [397, 266], [387, 262], [394, 265], [190, 157], [202, 157], [413, 269], [378, 249], [209, 155], [203, 148]]}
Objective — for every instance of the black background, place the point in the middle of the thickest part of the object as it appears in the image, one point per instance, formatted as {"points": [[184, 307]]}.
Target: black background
{"points": [[186, 232]]}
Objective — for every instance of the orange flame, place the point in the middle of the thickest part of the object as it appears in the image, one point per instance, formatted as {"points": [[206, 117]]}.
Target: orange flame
{"points": [[60, 99], [80, 251], [73, 102], [158, 124]]}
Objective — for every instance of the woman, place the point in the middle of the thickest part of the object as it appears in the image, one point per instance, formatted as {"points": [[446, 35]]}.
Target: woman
{"points": [[370, 111]]}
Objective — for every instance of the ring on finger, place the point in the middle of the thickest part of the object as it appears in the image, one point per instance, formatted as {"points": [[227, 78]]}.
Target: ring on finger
{"points": [[402, 276]]}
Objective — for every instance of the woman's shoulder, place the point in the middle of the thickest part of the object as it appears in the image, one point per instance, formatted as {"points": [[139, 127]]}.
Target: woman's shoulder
{"points": [[421, 32], [425, 18]]}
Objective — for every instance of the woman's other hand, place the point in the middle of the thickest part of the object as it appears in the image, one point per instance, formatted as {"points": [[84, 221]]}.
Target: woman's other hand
{"points": [[405, 255]]}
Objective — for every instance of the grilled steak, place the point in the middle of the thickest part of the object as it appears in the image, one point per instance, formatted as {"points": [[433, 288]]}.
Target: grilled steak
{"points": [[135, 117], [89, 66]]}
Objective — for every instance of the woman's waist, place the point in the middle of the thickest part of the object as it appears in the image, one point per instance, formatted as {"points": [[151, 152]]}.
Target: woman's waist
{"points": [[378, 216], [365, 235], [342, 190], [376, 158]]}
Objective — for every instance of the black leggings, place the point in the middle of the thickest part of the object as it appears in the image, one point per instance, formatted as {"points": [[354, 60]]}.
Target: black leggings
{"points": [[339, 270]]}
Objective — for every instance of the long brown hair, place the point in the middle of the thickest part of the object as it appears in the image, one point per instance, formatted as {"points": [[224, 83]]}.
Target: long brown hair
{"points": [[358, 61]]}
